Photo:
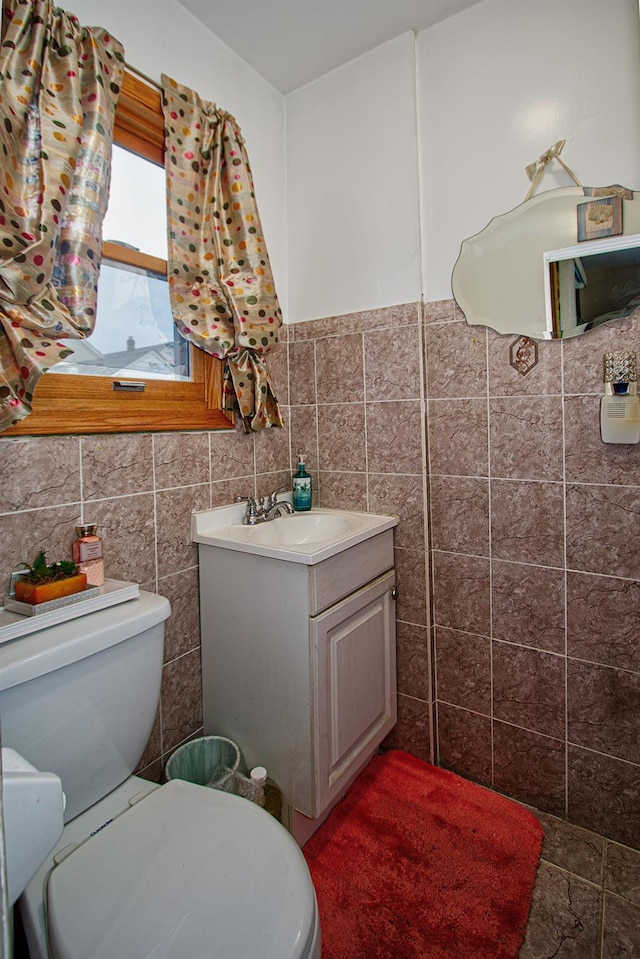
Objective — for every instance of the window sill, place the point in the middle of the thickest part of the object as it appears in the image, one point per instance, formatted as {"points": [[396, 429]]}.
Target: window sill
{"points": [[66, 404]]}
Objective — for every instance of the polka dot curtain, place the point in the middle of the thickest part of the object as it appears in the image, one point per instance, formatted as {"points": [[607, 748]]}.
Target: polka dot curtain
{"points": [[223, 296], [59, 84]]}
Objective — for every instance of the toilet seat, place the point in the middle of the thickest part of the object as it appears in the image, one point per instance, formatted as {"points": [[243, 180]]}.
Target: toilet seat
{"points": [[186, 872]]}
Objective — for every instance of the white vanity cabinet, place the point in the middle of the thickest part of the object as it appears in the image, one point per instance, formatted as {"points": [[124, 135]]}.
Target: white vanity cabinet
{"points": [[298, 665]]}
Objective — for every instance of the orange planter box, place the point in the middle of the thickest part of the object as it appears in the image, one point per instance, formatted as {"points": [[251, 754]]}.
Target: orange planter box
{"points": [[29, 593]]}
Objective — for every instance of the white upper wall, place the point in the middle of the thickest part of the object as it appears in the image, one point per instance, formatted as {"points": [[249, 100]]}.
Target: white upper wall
{"points": [[160, 36], [353, 186], [422, 135], [499, 84], [496, 85]]}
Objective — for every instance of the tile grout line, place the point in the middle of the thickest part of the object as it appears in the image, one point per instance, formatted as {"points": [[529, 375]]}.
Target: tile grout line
{"points": [[366, 418], [565, 584], [432, 677], [490, 551], [81, 477], [155, 509]]}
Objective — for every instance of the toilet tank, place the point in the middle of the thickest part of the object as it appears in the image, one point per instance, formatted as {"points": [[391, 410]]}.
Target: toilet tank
{"points": [[79, 698]]}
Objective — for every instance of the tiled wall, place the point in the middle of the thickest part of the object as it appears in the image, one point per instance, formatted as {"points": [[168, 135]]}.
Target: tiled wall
{"points": [[534, 545], [357, 409], [140, 489], [535, 532]]}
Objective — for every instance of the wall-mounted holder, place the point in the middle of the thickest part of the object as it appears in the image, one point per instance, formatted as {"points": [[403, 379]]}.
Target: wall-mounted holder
{"points": [[620, 406]]}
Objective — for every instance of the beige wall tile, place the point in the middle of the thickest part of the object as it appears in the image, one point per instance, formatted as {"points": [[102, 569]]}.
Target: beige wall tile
{"points": [[23, 534], [459, 514], [127, 527], [182, 630], [526, 437], [461, 592], [176, 551], [39, 472], [339, 369], [181, 700], [180, 459], [342, 490], [401, 496], [603, 530], [527, 522], [463, 669], [528, 605], [302, 372], [272, 449], [412, 645], [603, 613], [232, 454], [341, 437], [587, 458], [116, 465], [456, 360], [392, 363], [458, 437], [394, 437]]}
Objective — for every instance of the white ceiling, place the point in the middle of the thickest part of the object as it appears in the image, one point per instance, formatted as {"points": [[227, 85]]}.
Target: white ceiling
{"points": [[290, 42]]}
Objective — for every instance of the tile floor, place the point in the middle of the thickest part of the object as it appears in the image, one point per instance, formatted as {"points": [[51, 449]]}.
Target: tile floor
{"points": [[586, 900]]}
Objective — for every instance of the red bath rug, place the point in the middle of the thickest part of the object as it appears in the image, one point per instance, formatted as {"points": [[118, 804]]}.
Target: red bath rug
{"points": [[417, 863]]}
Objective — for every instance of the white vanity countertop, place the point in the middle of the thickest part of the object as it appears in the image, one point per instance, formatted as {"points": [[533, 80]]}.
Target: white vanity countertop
{"points": [[305, 537]]}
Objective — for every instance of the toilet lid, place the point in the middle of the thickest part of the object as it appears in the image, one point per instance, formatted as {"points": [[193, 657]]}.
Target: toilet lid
{"points": [[186, 873]]}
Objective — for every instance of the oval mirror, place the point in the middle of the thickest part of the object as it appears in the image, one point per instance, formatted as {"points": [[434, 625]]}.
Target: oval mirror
{"points": [[528, 273]]}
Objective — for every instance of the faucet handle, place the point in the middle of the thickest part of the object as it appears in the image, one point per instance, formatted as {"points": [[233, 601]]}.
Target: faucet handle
{"points": [[251, 514], [252, 507], [272, 499]]}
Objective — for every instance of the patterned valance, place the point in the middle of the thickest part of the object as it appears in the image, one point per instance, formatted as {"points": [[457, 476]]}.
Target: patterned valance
{"points": [[223, 296], [59, 84]]}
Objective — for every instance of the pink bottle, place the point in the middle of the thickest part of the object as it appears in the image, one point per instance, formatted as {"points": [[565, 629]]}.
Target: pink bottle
{"points": [[88, 554]]}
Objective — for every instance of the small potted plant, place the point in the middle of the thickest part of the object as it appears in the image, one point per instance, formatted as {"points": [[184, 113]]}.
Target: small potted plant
{"points": [[43, 582]]}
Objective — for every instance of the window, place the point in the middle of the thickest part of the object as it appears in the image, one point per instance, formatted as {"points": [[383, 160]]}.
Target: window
{"points": [[153, 380]]}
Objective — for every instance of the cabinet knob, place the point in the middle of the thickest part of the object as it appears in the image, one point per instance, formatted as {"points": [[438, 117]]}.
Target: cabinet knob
{"points": [[394, 592]]}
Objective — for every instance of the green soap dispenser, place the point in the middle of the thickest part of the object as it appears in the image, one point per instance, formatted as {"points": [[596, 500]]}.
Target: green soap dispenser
{"points": [[301, 485]]}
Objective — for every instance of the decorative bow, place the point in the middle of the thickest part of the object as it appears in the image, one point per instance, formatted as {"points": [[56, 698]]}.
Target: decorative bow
{"points": [[536, 170]]}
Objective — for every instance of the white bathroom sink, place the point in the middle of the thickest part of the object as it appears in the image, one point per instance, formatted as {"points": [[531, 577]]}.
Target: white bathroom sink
{"points": [[302, 528], [301, 538]]}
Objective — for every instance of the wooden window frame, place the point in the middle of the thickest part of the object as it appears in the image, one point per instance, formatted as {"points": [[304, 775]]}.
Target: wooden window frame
{"points": [[66, 403]]}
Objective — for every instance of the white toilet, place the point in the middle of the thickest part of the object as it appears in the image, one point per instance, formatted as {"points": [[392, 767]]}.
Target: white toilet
{"points": [[142, 871]]}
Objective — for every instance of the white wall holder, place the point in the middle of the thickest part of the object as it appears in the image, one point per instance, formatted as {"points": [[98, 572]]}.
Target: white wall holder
{"points": [[620, 406]]}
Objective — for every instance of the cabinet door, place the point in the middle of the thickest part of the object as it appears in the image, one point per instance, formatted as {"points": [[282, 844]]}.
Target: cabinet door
{"points": [[353, 646]]}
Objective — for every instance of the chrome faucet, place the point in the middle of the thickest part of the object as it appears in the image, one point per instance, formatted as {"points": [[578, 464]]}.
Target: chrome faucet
{"points": [[265, 508], [250, 517], [278, 509]]}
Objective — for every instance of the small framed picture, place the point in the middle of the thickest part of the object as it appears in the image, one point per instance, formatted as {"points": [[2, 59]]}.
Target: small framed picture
{"points": [[616, 189], [602, 217]]}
